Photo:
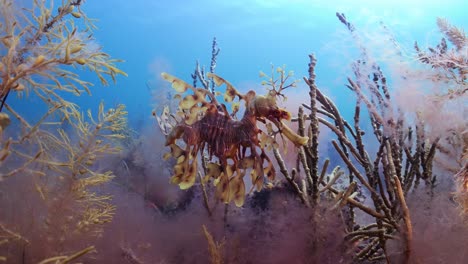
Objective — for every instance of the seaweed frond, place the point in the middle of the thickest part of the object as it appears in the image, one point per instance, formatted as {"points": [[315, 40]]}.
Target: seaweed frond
{"points": [[68, 259], [42, 50], [454, 34], [215, 248], [94, 140]]}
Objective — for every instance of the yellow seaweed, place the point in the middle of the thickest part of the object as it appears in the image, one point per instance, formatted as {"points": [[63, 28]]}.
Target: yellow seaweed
{"points": [[43, 49]]}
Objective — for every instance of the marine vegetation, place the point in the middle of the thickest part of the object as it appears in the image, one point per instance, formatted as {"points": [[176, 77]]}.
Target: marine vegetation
{"points": [[237, 144], [366, 199], [377, 181], [42, 49], [448, 61]]}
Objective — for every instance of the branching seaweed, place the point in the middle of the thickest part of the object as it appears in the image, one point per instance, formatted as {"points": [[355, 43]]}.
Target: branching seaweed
{"points": [[399, 164], [403, 159], [68, 259], [94, 140], [42, 49], [449, 66], [40, 52], [215, 248]]}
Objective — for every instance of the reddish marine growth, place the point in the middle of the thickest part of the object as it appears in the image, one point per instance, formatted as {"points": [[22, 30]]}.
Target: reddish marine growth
{"points": [[203, 124]]}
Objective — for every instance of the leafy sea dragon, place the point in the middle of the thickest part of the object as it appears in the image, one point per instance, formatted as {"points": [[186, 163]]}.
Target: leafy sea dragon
{"points": [[202, 123]]}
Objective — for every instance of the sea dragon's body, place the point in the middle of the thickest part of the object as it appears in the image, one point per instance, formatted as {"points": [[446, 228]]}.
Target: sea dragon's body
{"points": [[207, 125]]}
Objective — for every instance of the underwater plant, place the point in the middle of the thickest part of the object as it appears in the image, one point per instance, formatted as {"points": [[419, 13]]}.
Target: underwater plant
{"points": [[389, 171], [42, 48], [237, 144], [39, 52], [215, 248], [448, 61], [199, 73], [462, 178], [403, 160]]}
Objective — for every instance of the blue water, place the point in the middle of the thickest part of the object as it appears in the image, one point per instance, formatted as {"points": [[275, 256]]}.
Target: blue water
{"points": [[156, 36]]}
